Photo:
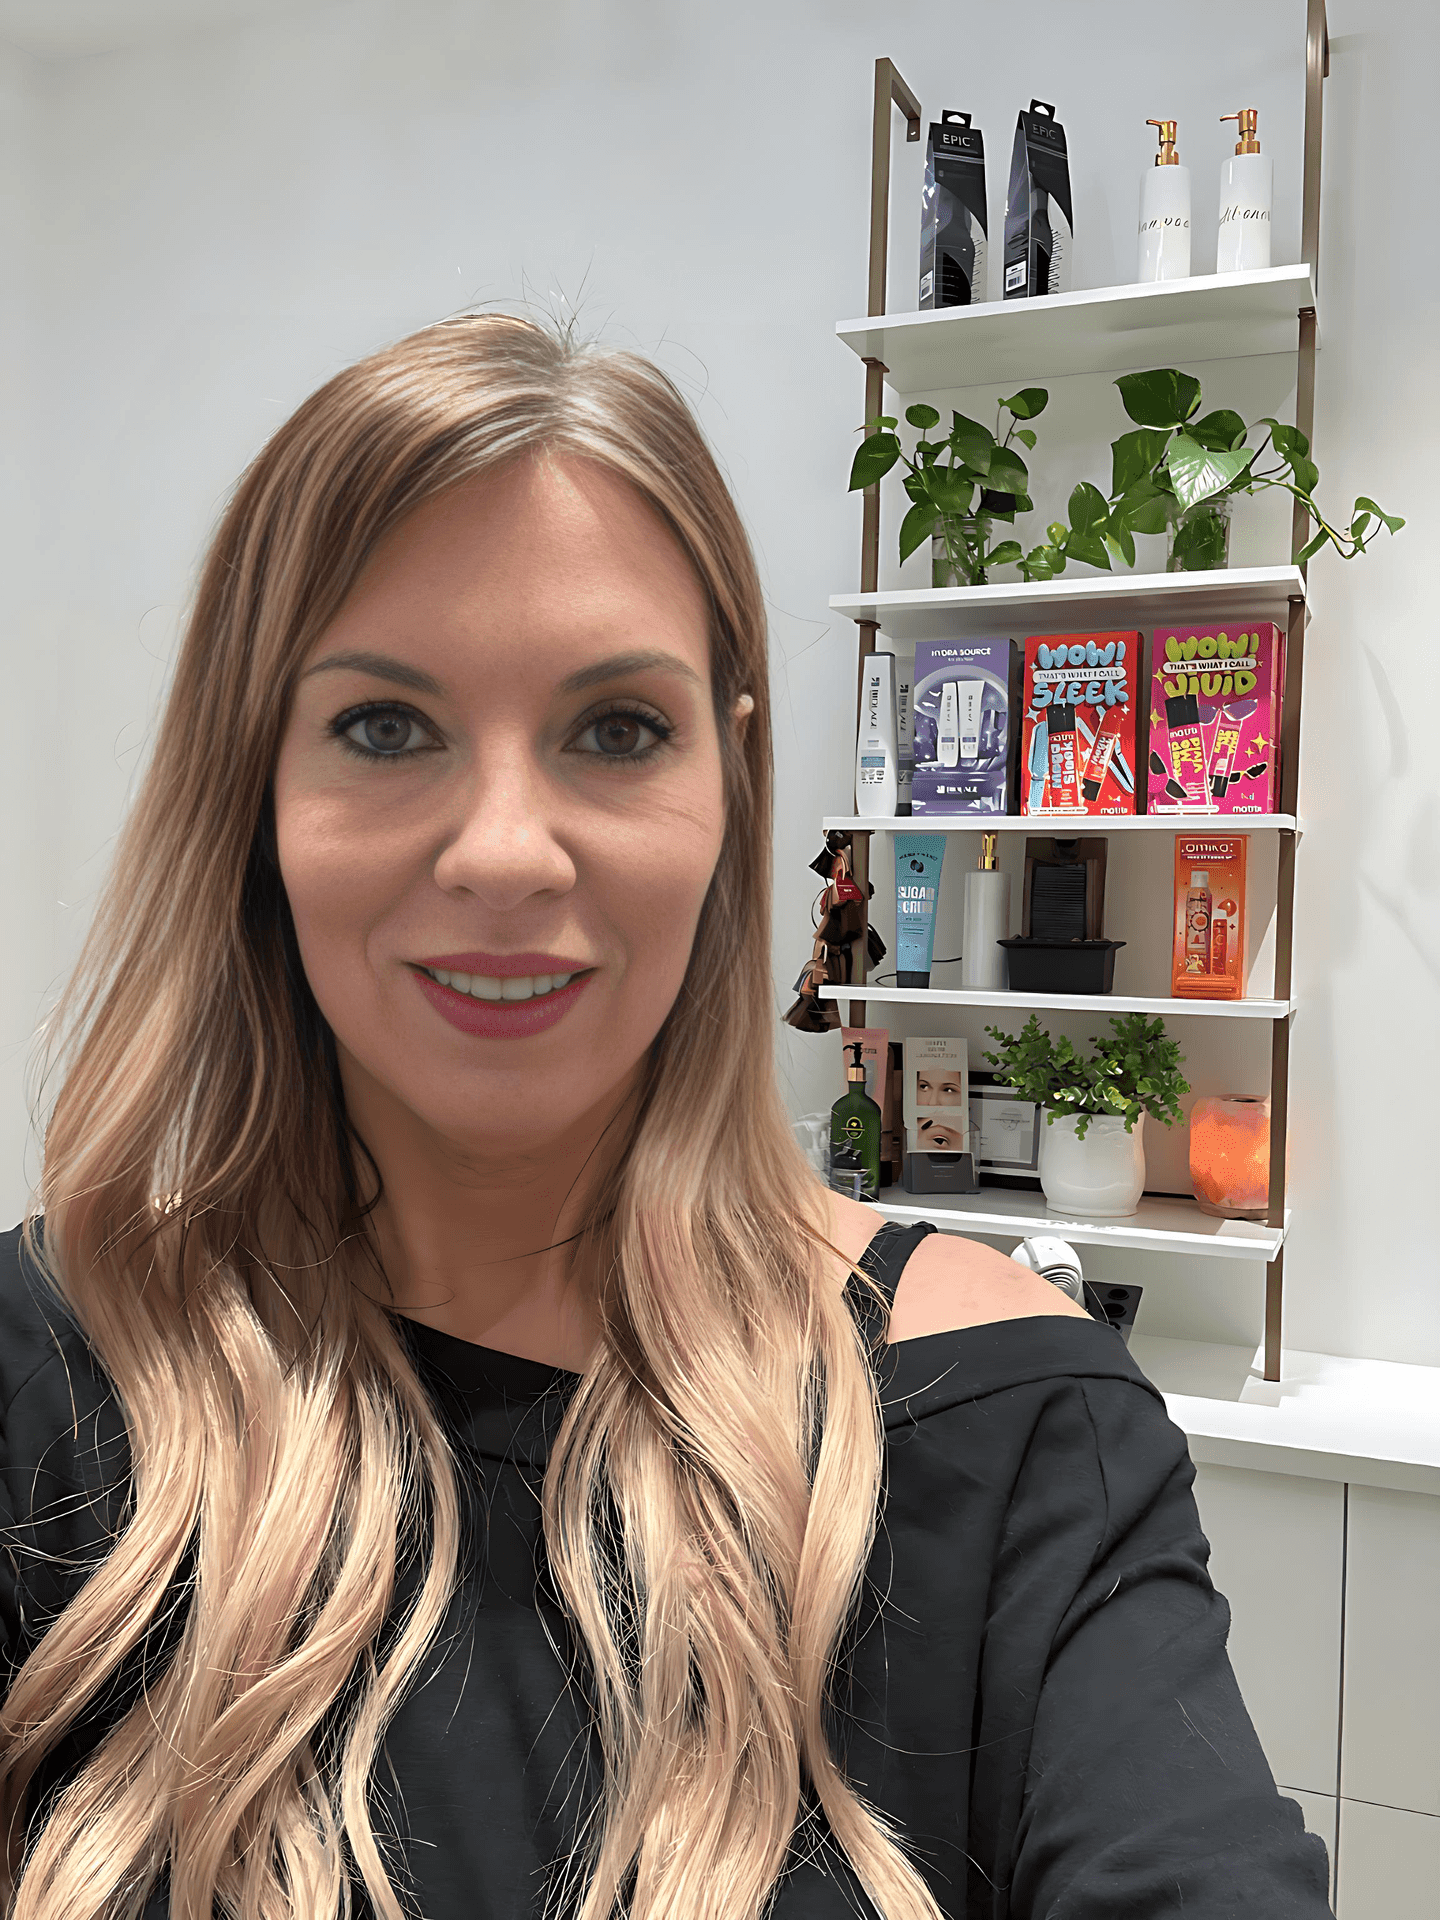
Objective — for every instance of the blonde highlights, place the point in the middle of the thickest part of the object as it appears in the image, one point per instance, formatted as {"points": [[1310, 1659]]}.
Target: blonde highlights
{"points": [[711, 1499]]}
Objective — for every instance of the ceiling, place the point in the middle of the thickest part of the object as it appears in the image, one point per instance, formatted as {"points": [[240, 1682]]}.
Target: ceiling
{"points": [[64, 29]]}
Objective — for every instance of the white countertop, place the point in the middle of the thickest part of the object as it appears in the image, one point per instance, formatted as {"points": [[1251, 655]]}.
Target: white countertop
{"points": [[1372, 1422]]}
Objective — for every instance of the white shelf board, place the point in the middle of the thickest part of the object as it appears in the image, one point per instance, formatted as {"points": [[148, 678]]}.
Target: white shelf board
{"points": [[1157, 1226], [1103, 600], [1092, 826], [1167, 323], [1372, 1422], [1062, 1002]]}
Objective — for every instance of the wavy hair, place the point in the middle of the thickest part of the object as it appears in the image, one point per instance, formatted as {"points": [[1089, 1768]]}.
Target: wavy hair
{"points": [[711, 1499]]}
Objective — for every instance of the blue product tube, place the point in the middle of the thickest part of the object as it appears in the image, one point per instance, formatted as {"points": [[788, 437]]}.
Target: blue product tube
{"points": [[917, 889]]}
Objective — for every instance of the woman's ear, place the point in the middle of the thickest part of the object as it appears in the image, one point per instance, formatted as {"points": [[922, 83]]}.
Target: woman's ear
{"points": [[744, 707]]}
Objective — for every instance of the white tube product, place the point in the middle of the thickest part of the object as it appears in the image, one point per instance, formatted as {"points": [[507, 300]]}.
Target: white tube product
{"points": [[1247, 186], [985, 922], [947, 726], [1164, 237], [876, 754], [970, 705], [904, 734]]}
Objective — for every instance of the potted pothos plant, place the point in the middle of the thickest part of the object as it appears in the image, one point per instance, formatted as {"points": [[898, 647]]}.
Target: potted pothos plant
{"points": [[1092, 1147], [959, 486], [1179, 471]]}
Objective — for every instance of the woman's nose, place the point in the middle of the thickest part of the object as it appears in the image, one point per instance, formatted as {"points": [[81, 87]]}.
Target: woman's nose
{"points": [[504, 846]]}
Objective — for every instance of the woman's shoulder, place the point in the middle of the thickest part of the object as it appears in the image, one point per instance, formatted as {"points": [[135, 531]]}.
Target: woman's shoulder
{"points": [[948, 1282]]}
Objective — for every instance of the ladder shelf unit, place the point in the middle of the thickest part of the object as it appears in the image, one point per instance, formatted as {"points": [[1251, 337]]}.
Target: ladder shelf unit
{"points": [[1107, 329]]}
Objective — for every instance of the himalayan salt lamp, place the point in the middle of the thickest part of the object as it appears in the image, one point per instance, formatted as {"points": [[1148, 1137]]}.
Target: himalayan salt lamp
{"points": [[1230, 1155]]}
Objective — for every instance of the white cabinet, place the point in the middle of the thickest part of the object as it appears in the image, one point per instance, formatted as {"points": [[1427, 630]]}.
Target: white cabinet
{"points": [[1278, 1557], [1392, 1658], [1389, 1864]]}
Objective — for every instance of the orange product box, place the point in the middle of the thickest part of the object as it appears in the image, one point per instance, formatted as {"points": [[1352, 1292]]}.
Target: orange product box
{"points": [[1208, 960]]}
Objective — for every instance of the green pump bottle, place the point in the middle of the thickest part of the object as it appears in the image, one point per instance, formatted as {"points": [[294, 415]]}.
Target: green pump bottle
{"points": [[855, 1136]]}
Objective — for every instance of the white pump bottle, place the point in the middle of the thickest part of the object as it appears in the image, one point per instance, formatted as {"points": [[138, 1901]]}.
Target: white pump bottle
{"points": [[1164, 237], [1247, 186]]}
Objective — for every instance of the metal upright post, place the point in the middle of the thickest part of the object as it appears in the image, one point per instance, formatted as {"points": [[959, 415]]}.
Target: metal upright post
{"points": [[1317, 66], [890, 91]]}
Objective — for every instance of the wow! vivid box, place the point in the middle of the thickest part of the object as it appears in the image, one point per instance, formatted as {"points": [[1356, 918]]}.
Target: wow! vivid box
{"points": [[1077, 753], [1215, 709]]}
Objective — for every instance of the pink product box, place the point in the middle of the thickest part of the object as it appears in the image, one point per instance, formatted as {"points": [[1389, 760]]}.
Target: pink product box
{"points": [[1215, 709]]}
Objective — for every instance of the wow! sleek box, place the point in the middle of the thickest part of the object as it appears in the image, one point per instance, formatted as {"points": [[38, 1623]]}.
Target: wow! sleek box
{"points": [[1216, 695], [1077, 754], [965, 695]]}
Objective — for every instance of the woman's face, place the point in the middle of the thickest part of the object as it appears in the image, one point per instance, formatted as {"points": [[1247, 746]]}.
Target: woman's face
{"points": [[499, 803]]}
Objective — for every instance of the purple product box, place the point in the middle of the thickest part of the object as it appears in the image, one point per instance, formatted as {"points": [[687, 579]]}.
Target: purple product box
{"points": [[966, 694]]}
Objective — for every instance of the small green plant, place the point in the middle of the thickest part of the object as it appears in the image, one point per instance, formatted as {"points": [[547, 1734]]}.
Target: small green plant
{"points": [[1164, 472], [1134, 1069], [959, 486]]}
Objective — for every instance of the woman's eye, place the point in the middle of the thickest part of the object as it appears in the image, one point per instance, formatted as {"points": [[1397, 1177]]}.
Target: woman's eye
{"points": [[382, 733], [622, 736]]}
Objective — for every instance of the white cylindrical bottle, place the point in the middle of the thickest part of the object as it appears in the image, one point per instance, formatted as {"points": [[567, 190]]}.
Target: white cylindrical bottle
{"points": [[876, 751], [1163, 251], [1247, 186], [985, 922]]}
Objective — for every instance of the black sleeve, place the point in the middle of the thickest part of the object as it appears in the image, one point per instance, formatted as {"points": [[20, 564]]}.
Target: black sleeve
{"points": [[1146, 1791]]}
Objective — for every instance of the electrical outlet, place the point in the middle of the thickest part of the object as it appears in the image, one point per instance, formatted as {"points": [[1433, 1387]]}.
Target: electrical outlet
{"points": [[1119, 1305]]}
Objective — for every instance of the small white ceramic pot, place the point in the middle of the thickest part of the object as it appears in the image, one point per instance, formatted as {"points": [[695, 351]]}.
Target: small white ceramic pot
{"points": [[1103, 1174]]}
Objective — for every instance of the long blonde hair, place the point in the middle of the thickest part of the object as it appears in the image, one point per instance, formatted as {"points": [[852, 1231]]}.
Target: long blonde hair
{"points": [[711, 1499]]}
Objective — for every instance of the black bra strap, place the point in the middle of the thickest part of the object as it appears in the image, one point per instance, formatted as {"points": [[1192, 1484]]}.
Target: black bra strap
{"points": [[883, 1261]]}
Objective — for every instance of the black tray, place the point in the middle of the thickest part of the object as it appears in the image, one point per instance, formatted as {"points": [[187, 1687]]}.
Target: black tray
{"points": [[1061, 966]]}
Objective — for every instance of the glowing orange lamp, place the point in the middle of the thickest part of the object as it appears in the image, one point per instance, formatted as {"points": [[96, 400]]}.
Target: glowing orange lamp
{"points": [[1230, 1155]]}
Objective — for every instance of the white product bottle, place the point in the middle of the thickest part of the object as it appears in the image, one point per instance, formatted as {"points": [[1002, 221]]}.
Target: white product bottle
{"points": [[904, 734], [947, 727], [876, 756], [1164, 239], [1247, 186], [985, 922]]}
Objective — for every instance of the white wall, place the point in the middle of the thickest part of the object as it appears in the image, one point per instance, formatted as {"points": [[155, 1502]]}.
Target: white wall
{"points": [[201, 225]]}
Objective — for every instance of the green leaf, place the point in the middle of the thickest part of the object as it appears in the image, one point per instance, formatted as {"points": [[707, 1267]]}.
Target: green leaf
{"points": [[917, 485], [874, 457], [1288, 442], [1002, 555], [951, 492], [1088, 547], [1007, 472], [922, 416], [1222, 431], [1120, 545], [1134, 455], [1145, 508], [1029, 402], [916, 528], [1057, 533], [1163, 398], [1042, 563], [1311, 547], [1304, 473], [1198, 473], [973, 443], [1026, 436], [1391, 520], [1088, 510]]}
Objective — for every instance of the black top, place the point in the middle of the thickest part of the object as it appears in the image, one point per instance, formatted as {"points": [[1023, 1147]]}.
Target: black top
{"points": [[1037, 1693]]}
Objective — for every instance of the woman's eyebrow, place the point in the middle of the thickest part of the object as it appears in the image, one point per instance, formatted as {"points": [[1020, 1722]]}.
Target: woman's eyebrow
{"points": [[620, 664], [382, 667]]}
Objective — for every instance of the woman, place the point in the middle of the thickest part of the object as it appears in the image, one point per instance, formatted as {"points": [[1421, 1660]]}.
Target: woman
{"points": [[442, 1443]]}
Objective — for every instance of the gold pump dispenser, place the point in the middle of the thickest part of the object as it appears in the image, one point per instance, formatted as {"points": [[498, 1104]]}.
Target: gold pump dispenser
{"points": [[1167, 156], [1246, 122], [989, 856]]}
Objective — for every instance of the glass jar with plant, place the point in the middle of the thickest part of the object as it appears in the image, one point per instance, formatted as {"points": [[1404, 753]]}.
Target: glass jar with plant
{"points": [[1092, 1149], [959, 487], [1179, 472]]}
